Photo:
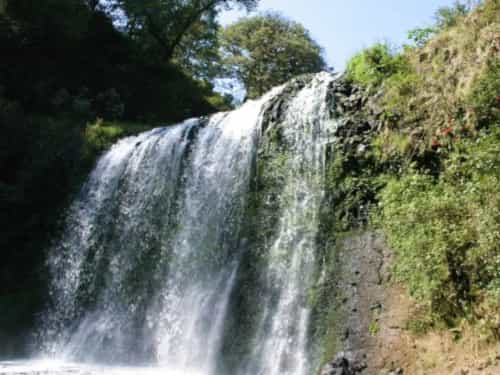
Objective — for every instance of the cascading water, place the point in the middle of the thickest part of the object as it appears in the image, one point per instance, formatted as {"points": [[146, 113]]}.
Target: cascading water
{"points": [[282, 336], [149, 259], [149, 264]]}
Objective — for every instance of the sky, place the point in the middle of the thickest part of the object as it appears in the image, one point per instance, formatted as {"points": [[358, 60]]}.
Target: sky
{"points": [[343, 27]]}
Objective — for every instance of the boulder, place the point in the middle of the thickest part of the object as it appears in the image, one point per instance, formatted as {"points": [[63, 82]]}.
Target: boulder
{"points": [[346, 363]]}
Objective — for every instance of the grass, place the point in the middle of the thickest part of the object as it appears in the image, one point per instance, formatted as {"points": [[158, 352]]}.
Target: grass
{"points": [[99, 136]]}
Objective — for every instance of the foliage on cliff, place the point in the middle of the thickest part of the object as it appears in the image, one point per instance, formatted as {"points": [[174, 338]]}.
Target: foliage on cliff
{"points": [[450, 81], [437, 154], [445, 232]]}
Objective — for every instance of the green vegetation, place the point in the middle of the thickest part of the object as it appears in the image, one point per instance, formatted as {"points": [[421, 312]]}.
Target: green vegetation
{"points": [[182, 31], [483, 99], [450, 16], [374, 328], [450, 80], [435, 164], [420, 36], [353, 183], [268, 50], [446, 232], [102, 135], [445, 18], [371, 66]]}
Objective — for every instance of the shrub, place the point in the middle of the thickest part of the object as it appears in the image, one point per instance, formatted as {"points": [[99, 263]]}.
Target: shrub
{"points": [[109, 105], [420, 36], [372, 65], [446, 232], [100, 136], [449, 16], [400, 88], [82, 104], [352, 185], [484, 99]]}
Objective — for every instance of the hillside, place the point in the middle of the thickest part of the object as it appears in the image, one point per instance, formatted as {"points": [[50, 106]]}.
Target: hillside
{"points": [[426, 172]]}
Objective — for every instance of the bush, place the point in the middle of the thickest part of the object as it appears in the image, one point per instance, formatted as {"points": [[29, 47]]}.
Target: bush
{"points": [[420, 36], [100, 136], [371, 66], [449, 16], [445, 18], [484, 99], [446, 232], [109, 105]]}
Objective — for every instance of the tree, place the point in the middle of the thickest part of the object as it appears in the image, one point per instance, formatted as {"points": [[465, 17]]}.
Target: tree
{"points": [[165, 23], [49, 18], [198, 52], [447, 17], [267, 50]]}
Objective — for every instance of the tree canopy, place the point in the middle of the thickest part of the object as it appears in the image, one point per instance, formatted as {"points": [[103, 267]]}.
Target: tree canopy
{"points": [[76, 75], [267, 50], [178, 29]]}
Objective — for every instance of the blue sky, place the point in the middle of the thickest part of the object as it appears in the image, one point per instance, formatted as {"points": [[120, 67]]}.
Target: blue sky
{"points": [[343, 27]]}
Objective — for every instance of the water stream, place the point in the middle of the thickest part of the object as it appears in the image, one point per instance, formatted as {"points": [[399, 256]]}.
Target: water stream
{"points": [[144, 275]]}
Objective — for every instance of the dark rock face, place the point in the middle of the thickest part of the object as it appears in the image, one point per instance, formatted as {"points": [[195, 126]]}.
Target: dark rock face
{"points": [[361, 259], [276, 108], [362, 269], [359, 117], [359, 269]]}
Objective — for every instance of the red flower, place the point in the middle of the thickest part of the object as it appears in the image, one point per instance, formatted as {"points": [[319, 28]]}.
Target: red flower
{"points": [[447, 131], [436, 143], [498, 98]]}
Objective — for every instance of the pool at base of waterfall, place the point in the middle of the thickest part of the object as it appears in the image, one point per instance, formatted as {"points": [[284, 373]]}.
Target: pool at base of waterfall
{"points": [[51, 367]]}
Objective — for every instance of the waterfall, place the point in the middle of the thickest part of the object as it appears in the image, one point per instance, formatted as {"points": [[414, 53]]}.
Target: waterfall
{"points": [[149, 263], [281, 343]]}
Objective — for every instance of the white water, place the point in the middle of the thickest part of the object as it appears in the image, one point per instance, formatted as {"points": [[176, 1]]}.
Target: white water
{"points": [[143, 276], [281, 343], [54, 367]]}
